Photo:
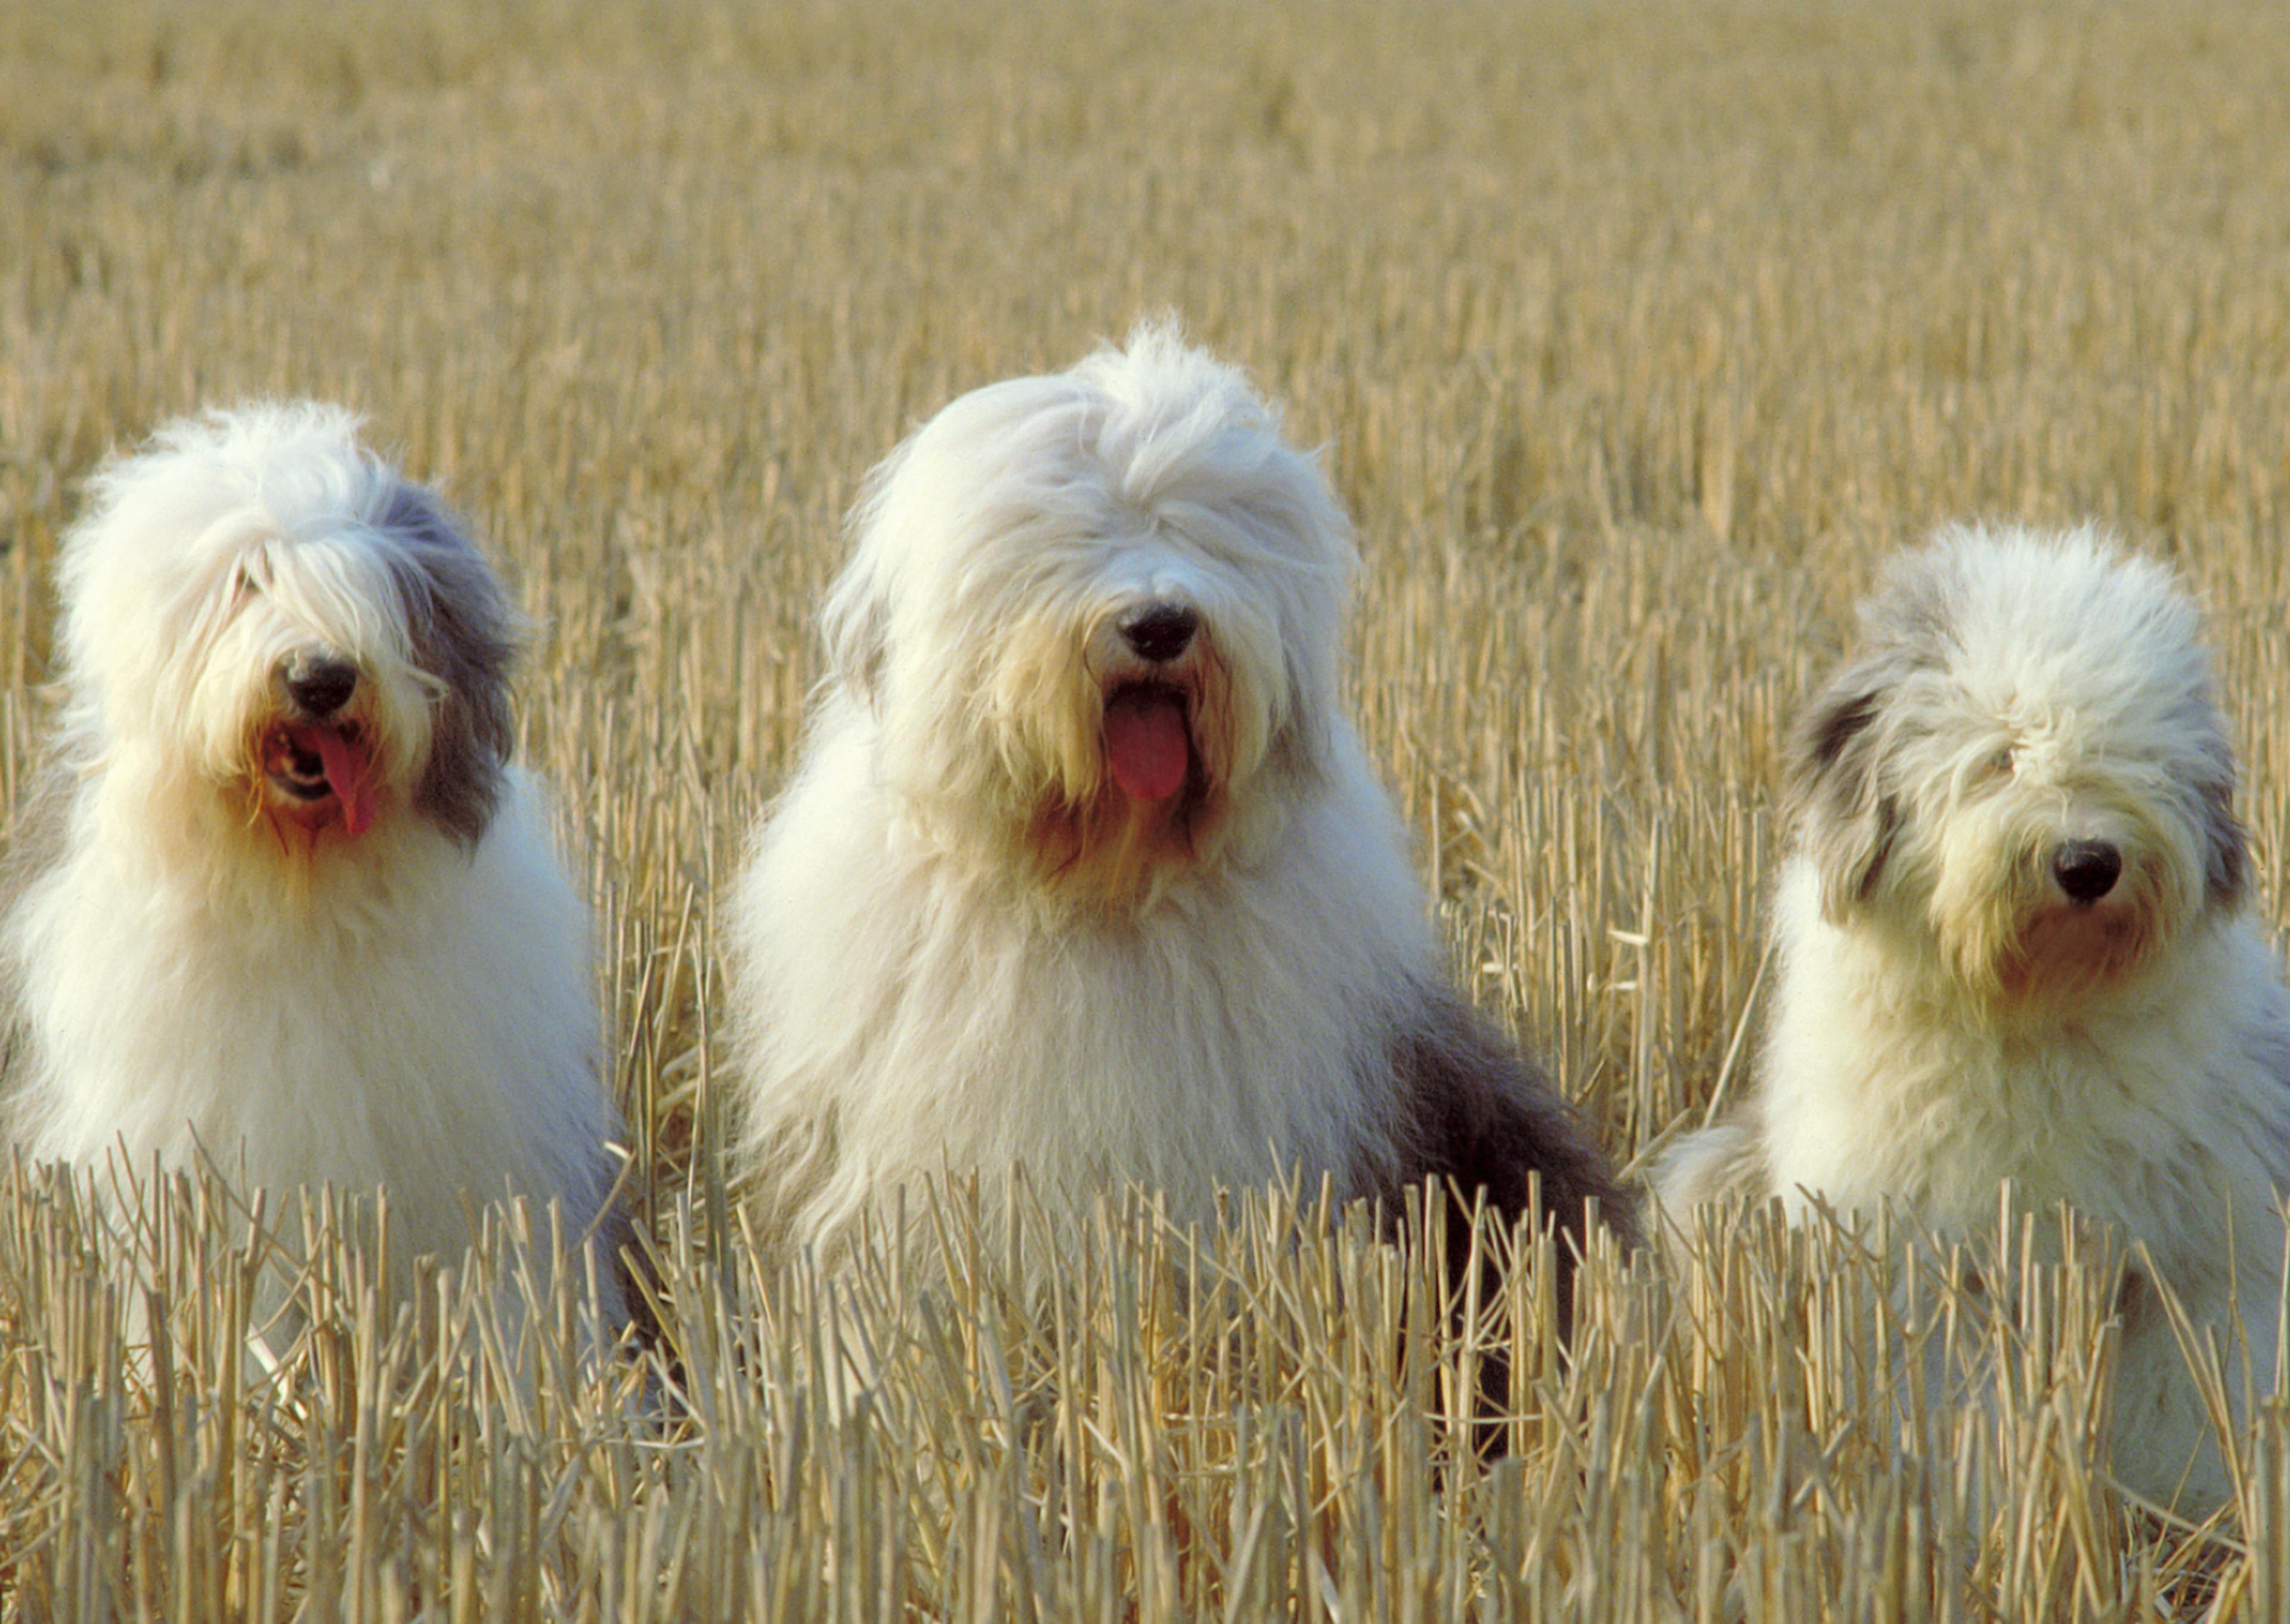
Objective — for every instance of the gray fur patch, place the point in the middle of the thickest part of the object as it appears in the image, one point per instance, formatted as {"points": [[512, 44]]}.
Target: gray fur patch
{"points": [[1482, 1124], [2226, 849], [1306, 741], [463, 634], [1476, 1113]]}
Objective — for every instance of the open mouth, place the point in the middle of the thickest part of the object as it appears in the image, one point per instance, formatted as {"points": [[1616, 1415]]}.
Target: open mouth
{"points": [[1148, 741], [319, 768]]}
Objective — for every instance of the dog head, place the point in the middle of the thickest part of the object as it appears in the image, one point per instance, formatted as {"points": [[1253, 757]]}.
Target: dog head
{"points": [[1097, 617], [2023, 769], [259, 614]]}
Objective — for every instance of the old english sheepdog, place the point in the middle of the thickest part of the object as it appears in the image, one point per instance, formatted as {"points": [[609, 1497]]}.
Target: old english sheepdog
{"points": [[2013, 945], [283, 908], [1084, 872]]}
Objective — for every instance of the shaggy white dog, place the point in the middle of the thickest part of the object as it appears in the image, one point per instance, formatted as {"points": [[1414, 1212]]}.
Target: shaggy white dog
{"points": [[1084, 871], [284, 908], [2012, 946]]}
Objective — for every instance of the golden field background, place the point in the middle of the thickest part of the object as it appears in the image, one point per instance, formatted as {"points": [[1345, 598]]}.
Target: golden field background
{"points": [[1637, 335]]}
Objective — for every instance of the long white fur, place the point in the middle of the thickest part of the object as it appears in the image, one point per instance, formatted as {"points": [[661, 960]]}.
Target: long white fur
{"points": [[914, 993], [2150, 1091], [404, 1010]]}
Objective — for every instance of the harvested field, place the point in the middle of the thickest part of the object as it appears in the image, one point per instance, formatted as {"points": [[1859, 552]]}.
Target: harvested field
{"points": [[1637, 334]]}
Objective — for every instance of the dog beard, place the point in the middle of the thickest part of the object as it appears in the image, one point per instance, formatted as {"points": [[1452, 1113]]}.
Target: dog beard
{"points": [[2021, 946], [311, 774], [1149, 796]]}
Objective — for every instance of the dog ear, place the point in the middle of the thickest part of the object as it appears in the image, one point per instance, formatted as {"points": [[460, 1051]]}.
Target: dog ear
{"points": [[1304, 744], [464, 633], [1848, 821], [855, 624], [2226, 849]]}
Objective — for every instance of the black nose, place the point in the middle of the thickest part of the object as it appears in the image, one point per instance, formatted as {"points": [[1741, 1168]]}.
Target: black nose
{"points": [[1161, 632], [2087, 869], [321, 687]]}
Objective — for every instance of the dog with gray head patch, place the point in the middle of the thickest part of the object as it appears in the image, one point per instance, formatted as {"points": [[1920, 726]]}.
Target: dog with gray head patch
{"points": [[2013, 945], [1085, 872], [283, 907]]}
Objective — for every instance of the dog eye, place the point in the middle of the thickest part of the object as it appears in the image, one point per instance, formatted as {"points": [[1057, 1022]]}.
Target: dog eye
{"points": [[2000, 765]]}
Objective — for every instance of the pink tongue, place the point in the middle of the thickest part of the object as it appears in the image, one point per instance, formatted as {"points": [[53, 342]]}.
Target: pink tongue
{"points": [[347, 776], [1146, 743]]}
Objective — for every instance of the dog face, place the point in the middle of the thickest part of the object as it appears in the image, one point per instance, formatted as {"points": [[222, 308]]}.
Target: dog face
{"points": [[2023, 769], [260, 612], [1097, 617]]}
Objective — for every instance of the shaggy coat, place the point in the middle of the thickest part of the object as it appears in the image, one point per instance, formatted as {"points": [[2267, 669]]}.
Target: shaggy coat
{"points": [[286, 909], [2014, 946], [1083, 870]]}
